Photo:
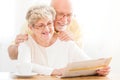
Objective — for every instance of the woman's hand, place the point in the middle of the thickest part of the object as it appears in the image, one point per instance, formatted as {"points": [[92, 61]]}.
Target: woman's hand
{"points": [[104, 71], [57, 72]]}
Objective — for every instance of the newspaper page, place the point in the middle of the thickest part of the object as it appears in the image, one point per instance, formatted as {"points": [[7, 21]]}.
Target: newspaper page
{"points": [[84, 68]]}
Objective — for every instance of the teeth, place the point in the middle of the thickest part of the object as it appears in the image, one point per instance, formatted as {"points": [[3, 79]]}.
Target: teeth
{"points": [[62, 24], [45, 33]]}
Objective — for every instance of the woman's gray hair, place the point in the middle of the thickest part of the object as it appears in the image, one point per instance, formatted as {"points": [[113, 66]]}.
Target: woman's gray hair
{"points": [[40, 12]]}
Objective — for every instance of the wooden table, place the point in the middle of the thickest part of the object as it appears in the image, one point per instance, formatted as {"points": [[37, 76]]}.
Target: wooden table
{"points": [[9, 76]]}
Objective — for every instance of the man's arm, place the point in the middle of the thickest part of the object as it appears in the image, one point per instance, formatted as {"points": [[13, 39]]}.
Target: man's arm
{"points": [[13, 51], [13, 48]]}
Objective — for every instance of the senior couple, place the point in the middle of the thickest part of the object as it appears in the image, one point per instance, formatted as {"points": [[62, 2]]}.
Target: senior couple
{"points": [[48, 47]]}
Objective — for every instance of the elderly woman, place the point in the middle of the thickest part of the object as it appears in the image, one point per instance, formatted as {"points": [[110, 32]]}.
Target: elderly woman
{"points": [[43, 48]]}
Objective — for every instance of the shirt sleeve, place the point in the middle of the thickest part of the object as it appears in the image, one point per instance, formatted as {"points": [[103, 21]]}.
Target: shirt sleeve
{"points": [[44, 70], [76, 53], [24, 55]]}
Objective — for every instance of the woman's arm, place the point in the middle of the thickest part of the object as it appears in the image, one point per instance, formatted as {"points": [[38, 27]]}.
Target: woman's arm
{"points": [[24, 55], [76, 53]]}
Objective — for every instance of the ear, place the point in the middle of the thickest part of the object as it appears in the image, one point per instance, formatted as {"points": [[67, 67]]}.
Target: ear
{"points": [[30, 26], [30, 29]]}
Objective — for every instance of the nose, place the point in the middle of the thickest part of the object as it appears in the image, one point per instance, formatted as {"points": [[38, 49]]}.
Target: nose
{"points": [[46, 28], [65, 19]]}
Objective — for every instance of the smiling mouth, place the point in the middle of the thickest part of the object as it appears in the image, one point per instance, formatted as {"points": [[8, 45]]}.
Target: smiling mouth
{"points": [[62, 24], [46, 33]]}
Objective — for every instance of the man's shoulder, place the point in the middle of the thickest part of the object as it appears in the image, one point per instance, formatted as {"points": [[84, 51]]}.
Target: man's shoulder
{"points": [[74, 21]]}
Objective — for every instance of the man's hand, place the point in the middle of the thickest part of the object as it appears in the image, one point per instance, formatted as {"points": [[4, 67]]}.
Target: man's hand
{"points": [[65, 36], [104, 71], [57, 72], [21, 38], [13, 49]]}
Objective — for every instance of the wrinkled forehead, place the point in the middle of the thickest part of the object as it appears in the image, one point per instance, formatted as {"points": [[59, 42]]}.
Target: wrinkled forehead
{"points": [[63, 10], [63, 6]]}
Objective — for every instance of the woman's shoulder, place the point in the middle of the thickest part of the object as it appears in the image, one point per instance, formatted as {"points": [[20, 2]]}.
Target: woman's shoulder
{"points": [[28, 42], [70, 42]]}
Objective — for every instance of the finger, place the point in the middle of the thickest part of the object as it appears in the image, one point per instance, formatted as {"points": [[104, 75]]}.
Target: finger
{"points": [[103, 72], [62, 34], [22, 36], [26, 37], [19, 41], [65, 37], [62, 37]]}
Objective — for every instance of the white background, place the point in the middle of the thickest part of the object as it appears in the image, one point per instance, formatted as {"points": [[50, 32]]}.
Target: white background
{"points": [[99, 21]]}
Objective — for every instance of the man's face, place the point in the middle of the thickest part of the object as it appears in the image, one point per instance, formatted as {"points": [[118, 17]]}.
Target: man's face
{"points": [[63, 16]]}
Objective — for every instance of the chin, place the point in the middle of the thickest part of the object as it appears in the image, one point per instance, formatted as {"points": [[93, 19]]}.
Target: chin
{"points": [[61, 29], [46, 38]]}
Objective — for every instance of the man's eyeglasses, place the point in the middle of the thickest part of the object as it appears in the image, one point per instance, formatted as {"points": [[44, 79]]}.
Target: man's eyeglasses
{"points": [[42, 26], [62, 15]]}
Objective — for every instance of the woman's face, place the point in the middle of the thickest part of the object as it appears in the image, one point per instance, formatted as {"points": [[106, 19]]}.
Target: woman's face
{"points": [[43, 29]]}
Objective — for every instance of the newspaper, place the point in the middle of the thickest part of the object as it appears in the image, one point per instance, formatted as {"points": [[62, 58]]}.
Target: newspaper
{"points": [[84, 68]]}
